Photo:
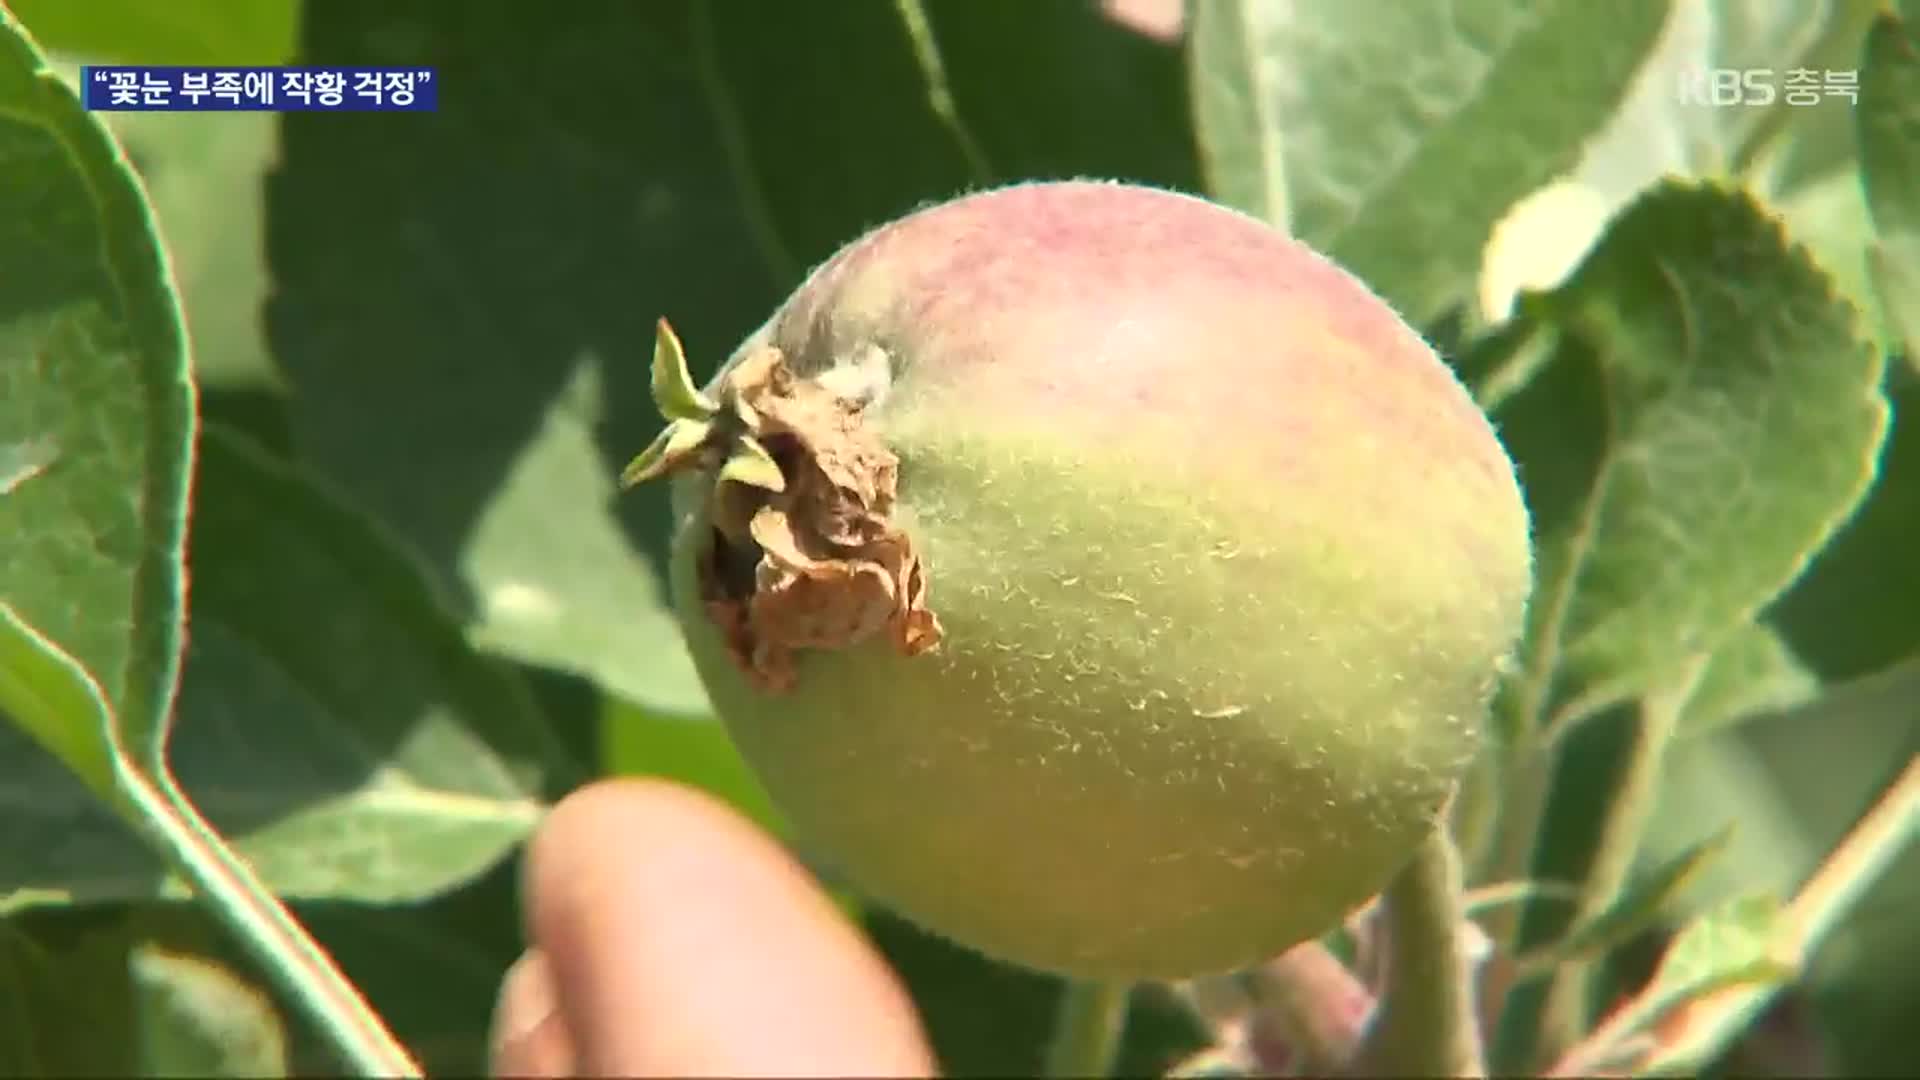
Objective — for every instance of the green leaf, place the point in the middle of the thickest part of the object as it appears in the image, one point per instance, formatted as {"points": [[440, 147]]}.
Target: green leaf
{"points": [[65, 1009], [334, 723], [57, 704], [1732, 944], [1404, 131], [1236, 97], [1715, 784], [195, 1017], [203, 173], [1752, 672], [1830, 216], [1830, 922], [22, 461], [175, 32], [1667, 125], [1793, 783], [1895, 278], [1771, 36], [1808, 142], [775, 70], [1736, 944], [1637, 908], [469, 349], [1852, 613], [1739, 421], [432, 970], [1060, 90], [395, 762], [92, 362], [96, 993], [1763, 34], [1888, 121], [948, 95]]}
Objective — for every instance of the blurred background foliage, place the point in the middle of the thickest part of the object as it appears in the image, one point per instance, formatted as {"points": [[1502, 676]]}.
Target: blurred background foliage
{"points": [[443, 318]]}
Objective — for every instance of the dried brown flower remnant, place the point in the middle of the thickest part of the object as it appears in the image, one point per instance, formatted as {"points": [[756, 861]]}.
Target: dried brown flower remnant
{"points": [[829, 566]]}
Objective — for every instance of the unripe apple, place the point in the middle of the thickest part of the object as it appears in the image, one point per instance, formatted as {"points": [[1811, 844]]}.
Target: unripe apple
{"points": [[1095, 575]]}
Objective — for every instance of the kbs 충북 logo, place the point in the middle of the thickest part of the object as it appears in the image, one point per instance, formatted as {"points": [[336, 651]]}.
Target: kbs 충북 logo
{"points": [[1764, 86]]}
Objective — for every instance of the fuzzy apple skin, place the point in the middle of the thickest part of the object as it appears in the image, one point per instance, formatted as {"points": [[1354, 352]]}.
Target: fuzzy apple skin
{"points": [[1227, 563]]}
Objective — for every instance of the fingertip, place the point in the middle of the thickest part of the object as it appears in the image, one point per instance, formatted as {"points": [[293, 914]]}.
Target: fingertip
{"points": [[683, 940], [529, 1034]]}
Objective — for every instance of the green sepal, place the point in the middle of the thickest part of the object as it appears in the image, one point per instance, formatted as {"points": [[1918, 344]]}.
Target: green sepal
{"points": [[753, 466], [673, 389], [669, 450]]}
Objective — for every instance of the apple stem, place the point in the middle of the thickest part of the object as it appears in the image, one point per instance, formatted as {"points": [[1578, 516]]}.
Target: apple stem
{"points": [[1425, 1025], [1087, 1030]]}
